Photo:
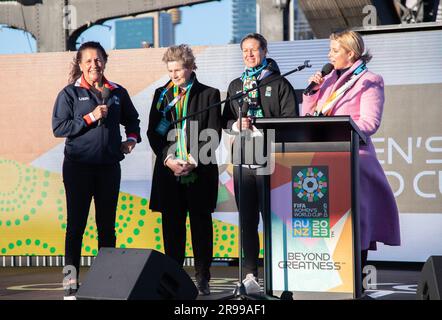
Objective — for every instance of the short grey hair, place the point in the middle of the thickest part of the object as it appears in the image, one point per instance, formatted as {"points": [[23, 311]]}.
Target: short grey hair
{"points": [[181, 53]]}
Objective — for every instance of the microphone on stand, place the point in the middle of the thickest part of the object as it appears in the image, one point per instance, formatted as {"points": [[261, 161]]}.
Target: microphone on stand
{"points": [[238, 95], [244, 108], [326, 69]]}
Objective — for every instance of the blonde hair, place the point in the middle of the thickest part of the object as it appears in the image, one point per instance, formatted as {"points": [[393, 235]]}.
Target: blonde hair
{"points": [[182, 53], [352, 41]]}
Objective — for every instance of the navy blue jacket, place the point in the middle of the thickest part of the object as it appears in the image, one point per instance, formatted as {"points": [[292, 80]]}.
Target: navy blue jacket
{"points": [[93, 143]]}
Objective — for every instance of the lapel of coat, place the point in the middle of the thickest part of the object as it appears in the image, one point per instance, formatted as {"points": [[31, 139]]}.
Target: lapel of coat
{"points": [[267, 81], [337, 83], [192, 106], [344, 77], [167, 100]]}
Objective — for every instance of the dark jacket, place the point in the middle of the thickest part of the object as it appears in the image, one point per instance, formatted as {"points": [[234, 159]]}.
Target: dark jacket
{"points": [[201, 194], [93, 144], [280, 100]]}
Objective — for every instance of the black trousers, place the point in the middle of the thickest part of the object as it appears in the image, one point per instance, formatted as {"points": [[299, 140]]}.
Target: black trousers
{"points": [[252, 195], [83, 182], [174, 235]]}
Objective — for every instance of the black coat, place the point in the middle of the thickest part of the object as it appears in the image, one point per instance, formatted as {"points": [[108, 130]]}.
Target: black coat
{"points": [[201, 194], [280, 100]]}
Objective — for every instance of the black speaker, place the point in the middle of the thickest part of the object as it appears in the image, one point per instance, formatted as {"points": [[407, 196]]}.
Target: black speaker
{"points": [[430, 283], [135, 274]]}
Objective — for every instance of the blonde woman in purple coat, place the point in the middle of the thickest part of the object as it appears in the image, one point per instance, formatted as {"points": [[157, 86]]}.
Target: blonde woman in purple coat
{"points": [[351, 89]]}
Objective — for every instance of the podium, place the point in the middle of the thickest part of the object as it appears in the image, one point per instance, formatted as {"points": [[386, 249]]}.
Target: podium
{"points": [[311, 221]]}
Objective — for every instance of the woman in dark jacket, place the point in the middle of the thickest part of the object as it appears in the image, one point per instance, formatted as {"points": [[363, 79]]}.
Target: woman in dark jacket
{"points": [[275, 98], [185, 177], [88, 113]]}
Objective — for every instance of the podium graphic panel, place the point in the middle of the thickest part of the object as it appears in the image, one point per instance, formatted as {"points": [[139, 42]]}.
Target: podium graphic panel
{"points": [[311, 224]]}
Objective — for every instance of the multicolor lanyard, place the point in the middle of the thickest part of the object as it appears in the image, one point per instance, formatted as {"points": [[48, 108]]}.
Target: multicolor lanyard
{"points": [[331, 101], [164, 124], [250, 80], [160, 100]]}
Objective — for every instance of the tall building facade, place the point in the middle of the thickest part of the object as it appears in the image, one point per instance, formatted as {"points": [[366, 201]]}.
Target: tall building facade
{"points": [[133, 33], [166, 30], [150, 30], [243, 18], [301, 27]]}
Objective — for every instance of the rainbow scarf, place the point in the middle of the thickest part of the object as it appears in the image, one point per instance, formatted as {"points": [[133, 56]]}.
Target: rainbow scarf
{"points": [[180, 102], [182, 97], [327, 107], [249, 79]]}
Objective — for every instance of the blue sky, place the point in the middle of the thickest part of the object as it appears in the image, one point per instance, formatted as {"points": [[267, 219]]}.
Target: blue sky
{"points": [[202, 24]]}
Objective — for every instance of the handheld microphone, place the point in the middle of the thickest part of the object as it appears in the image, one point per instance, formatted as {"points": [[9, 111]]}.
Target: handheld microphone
{"points": [[244, 108], [105, 98], [244, 113], [105, 94], [326, 69]]}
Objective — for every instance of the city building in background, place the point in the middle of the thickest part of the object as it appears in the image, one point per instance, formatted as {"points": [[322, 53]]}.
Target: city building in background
{"points": [[301, 27], [166, 28], [134, 33], [248, 14], [50, 26], [155, 29], [243, 18]]}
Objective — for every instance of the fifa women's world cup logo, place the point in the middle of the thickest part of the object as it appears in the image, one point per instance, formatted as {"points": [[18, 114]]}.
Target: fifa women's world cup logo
{"points": [[310, 214], [310, 184]]}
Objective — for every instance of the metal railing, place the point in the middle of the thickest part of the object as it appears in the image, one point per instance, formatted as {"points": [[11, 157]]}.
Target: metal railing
{"points": [[56, 261]]}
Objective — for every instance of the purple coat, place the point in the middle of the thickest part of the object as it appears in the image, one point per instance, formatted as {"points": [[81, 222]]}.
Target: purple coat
{"points": [[364, 102]]}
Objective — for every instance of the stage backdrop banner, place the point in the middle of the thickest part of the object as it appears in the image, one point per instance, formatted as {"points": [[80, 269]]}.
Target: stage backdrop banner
{"points": [[32, 195], [32, 199]]}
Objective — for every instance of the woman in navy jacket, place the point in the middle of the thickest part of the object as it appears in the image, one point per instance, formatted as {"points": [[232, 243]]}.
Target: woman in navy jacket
{"points": [[88, 113]]}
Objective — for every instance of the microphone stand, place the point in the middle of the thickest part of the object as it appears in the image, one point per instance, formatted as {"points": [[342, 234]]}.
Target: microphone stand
{"points": [[239, 293], [243, 93]]}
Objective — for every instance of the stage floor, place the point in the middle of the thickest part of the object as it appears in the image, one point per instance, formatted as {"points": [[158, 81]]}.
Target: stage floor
{"points": [[44, 283]]}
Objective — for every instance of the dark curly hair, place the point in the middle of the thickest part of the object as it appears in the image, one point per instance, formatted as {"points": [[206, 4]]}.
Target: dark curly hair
{"points": [[75, 72]]}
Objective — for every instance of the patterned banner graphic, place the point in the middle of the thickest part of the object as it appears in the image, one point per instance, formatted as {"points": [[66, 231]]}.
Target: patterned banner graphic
{"points": [[311, 223], [310, 202]]}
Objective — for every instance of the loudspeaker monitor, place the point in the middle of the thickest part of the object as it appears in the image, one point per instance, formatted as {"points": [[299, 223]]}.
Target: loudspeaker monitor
{"points": [[136, 274], [430, 284]]}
